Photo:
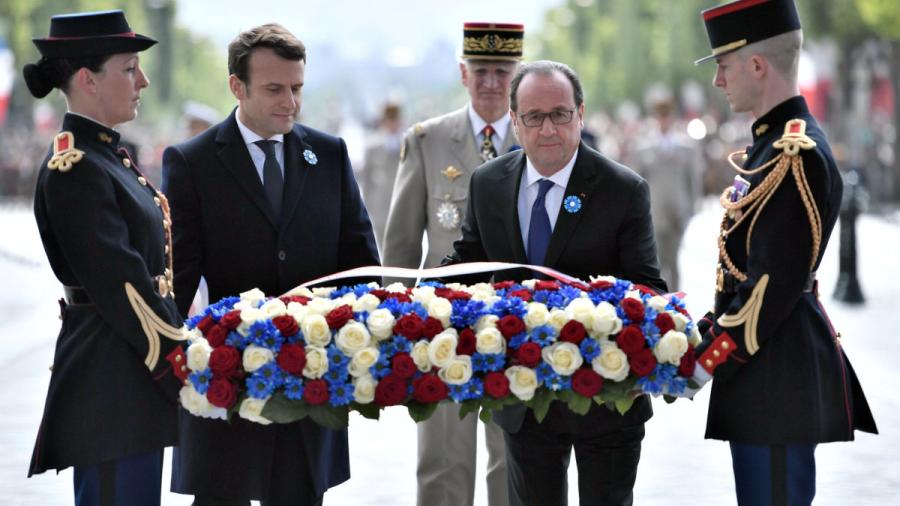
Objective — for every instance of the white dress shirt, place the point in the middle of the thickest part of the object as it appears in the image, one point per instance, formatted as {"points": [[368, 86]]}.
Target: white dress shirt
{"points": [[256, 153], [528, 193], [501, 127]]}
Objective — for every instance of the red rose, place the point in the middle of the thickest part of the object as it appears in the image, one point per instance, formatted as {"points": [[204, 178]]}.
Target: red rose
{"points": [[460, 295], [429, 389], [665, 323], [546, 285], [683, 311], [496, 384], [631, 339], [443, 293], [315, 392], [390, 391], [231, 320], [522, 293], [291, 359], [381, 293], [216, 335], [572, 332], [510, 325], [634, 309], [466, 343], [601, 285], [409, 326], [222, 393], [586, 382], [432, 327], [205, 324], [338, 316], [286, 324], [581, 286], [688, 360], [646, 290], [224, 361], [402, 366], [642, 363], [529, 354], [299, 299], [399, 296], [504, 285]]}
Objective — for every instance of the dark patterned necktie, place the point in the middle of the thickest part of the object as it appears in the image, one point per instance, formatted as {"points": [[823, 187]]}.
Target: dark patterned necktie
{"points": [[487, 145], [273, 181], [539, 230]]}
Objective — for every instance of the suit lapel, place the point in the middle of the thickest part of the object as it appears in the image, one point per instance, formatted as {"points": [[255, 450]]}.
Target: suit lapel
{"points": [[295, 170], [236, 159], [507, 198], [464, 146], [582, 183]]}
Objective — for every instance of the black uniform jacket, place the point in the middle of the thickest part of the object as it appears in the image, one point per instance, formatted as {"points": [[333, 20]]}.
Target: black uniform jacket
{"points": [[226, 231], [612, 234], [780, 375], [112, 389]]}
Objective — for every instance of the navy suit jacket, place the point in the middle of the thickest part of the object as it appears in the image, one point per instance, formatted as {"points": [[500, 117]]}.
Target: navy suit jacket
{"points": [[225, 230], [612, 234]]}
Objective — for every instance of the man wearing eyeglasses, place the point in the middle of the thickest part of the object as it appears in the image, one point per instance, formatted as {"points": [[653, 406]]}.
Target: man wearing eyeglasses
{"points": [[437, 160], [561, 204]]}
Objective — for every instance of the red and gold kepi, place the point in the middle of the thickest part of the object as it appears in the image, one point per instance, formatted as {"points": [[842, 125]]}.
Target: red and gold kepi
{"points": [[737, 24], [493, 41], [91, 34]]}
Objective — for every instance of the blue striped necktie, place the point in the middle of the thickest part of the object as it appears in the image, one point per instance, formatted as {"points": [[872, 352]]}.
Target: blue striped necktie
{"points": [[539, 230]]}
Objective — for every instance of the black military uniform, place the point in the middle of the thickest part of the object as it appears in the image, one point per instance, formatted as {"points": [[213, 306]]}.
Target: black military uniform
{"points": [[119, 360]]}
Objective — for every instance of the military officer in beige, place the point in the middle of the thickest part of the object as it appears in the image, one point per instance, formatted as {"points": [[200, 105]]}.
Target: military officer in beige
{"points": [[437, 159]]}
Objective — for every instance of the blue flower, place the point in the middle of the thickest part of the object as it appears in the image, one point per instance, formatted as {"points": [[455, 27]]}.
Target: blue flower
{"points": [[569, 293], [572, 204], [513, 305], [516, 341], [381, 368], [543, 372], [557, 300], [238, 341], [474, 389], [677, 385], [543, 335], [265, 334], [200, 380], [485, 362], [310, 157], [336, 358], [557, 382], [293, 388], [589, 349], [361, 289], [194, 320], [341, 393], [264, 381], [336, 375], [465, 313], [436, 284], [661, 376]]}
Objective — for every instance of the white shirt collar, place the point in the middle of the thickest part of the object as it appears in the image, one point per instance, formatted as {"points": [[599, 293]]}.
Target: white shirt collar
{"points": [[249, 135], [560, 178], [501, 126]]}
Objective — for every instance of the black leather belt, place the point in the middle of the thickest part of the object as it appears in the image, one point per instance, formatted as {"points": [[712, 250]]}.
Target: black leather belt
{"points": [[730, 283], [78, 296]]}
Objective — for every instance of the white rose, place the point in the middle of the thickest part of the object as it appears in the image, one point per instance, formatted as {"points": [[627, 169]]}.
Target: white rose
{"points": [[529, 284], [680, 320], [488, 321], [198, 354], [440, 308], [608, 279], [320, 306], [671, 347], [298, 311], [353, 336], [396, 287], [490, 340], [315, 330], [634, 294], [522, 382], [316, 362], [442, 348], [423, 294], [537, 314], [251, 315], [695, 336], [458, 371], [251, 409], [256, 357], [198, 405], [361, 362], [564, 358], [658, 303], [364, 389], [323, 292], [606, 321], [273, 307], [581, 310], [420, 356], [300, 292], [611, 363], [191, 335], [481, 291], [457, 287], [253, 297], [348, 299], [558, 319], [367, 302], [381, 323]]}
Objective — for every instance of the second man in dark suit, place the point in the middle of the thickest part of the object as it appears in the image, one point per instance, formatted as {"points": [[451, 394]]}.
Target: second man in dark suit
{"points": [[260, 201]]}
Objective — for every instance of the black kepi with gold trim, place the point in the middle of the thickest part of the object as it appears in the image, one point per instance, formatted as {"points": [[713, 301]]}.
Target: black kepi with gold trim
{"points": [[493, 41], [737, 24]]}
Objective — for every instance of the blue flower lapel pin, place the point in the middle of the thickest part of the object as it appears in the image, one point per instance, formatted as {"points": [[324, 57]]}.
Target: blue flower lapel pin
{"points": [[310, 157], [572, 204]]}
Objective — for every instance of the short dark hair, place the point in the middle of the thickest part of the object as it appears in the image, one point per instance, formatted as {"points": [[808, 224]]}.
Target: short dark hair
{"points": [[546, 68], [49, 73], [271, 36]]}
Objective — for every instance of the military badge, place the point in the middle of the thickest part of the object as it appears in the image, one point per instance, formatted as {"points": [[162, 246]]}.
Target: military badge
{"points": [[310, 157], [451, 172], [572, 204], [448, 215], [105, 137], [64, 153], [761, 129]]}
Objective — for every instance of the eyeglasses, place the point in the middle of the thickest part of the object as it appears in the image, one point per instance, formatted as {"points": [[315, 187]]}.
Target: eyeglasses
{"points": [[536, 119]]}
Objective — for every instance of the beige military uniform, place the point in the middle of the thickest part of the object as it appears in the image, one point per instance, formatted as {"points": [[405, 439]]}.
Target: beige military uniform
{"points": [[430, 193]]}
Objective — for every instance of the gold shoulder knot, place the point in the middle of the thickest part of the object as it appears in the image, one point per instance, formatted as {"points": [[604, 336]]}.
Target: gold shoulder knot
{"points": [[794, 138], [64, 153]]}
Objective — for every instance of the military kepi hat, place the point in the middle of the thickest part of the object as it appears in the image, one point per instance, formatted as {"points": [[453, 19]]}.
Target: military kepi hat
{"points": [[91, 34], [736, 24], [493, 41]]}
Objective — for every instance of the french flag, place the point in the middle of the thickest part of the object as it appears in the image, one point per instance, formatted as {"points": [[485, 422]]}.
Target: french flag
{"points": [[7, 76]]}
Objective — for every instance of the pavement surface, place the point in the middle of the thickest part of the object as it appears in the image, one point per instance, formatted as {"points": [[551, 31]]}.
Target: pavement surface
{"points": [[678, 466]]}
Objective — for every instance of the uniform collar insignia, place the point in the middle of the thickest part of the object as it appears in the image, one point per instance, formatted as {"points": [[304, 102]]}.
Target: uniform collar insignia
{"points": [[105, 137], [761, 129]]}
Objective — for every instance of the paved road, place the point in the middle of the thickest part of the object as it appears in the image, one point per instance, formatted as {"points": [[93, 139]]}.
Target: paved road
{"points": [[678, 467]]}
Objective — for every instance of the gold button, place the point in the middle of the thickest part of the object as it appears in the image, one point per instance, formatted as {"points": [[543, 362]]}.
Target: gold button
{"points": [[167, 249], [157, 201], [142, 180], [178, 358], [166, 224], [708, 362], [183, 368], [716, 353], [126, 162], [725, 345]]}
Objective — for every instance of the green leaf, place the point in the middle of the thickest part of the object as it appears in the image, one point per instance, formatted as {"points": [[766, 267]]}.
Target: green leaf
{"points": [[419, 411], [579, 404], [280, 409], [565, 395], [468, 407], [669, 398], [369, 411], [623, 405], [486, 415], [541, 403], [332, 417]]}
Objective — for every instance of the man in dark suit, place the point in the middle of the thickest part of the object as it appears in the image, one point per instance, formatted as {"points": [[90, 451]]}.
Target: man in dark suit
{"points": [[260, 201], [561, 204]]}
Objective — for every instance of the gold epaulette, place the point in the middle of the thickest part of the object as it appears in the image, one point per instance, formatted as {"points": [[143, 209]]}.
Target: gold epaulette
{"points": [[64, 153], [794, 138]]}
